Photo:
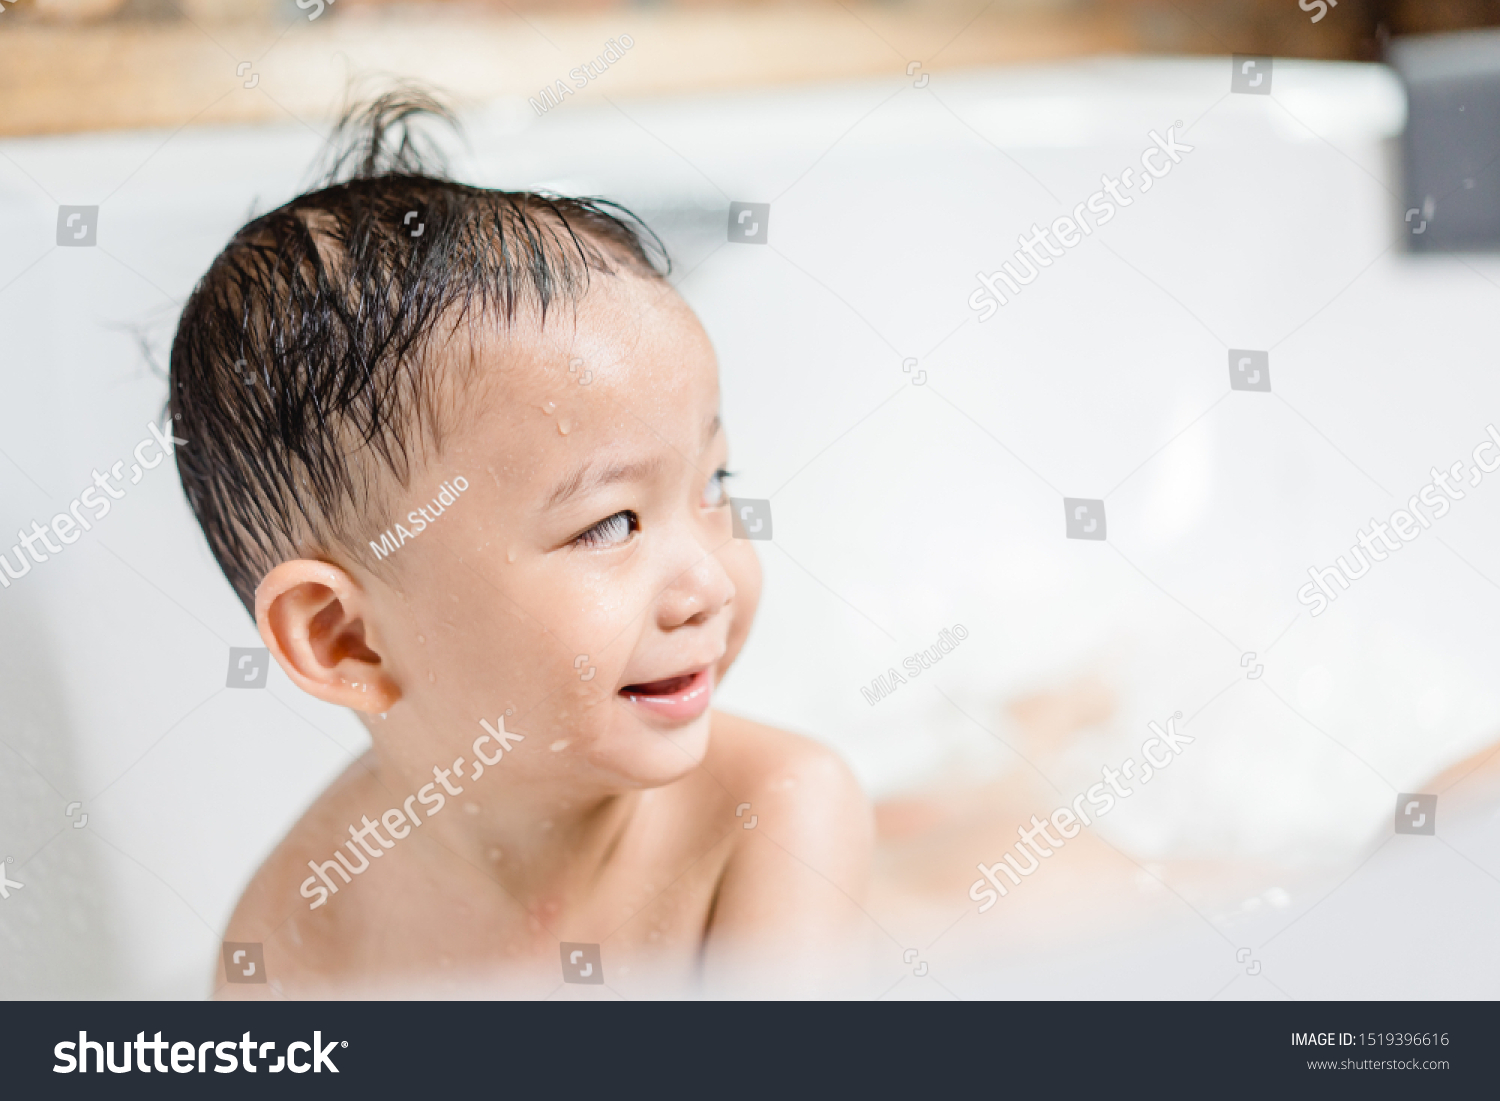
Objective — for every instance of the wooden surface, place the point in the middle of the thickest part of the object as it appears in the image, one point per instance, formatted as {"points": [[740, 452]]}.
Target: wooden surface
{"points": [[76, 65]]}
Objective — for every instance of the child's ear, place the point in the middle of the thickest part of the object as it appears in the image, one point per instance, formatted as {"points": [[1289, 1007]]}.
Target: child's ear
{"points": [[312, 616]]}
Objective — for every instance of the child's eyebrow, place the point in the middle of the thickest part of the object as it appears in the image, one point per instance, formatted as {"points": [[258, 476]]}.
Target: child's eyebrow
{"points": [[591, 476]]}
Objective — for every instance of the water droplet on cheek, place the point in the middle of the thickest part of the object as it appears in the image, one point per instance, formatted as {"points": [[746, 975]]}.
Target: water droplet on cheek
{"points": [[563, 427], [494, 854], [558, 747], [421, 639], [510, 555]]}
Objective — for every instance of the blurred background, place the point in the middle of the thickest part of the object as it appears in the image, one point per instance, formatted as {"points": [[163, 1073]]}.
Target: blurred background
{"points": [[914, 457]]}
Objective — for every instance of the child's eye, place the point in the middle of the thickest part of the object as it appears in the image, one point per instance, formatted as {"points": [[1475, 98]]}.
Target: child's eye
{"points": [[610, 531], [714, 493]]}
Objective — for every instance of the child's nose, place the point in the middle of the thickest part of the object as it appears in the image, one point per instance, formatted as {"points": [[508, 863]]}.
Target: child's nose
{"points": [[697, 594]]}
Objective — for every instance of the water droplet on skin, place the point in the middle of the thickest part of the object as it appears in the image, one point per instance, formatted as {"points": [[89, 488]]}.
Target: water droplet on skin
{"points": [[563, 427], [547, 409], [494, 854], [421, 639], [558, 747], [510, 555]]}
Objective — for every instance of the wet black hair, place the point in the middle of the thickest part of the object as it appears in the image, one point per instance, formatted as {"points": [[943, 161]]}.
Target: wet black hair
{"points": [[302, 373]]}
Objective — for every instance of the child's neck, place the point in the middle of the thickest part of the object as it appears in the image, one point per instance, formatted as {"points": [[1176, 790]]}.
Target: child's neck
{"points": [[530, 833]]}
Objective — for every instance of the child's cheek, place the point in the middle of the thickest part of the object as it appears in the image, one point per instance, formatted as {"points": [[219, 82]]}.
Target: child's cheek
{"points": [[743, 566]]}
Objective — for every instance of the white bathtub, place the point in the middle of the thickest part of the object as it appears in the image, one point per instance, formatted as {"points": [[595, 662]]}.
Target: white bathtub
{"points": [[899, 509]]}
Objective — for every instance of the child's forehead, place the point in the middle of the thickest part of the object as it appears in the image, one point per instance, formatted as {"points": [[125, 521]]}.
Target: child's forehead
{"points": [[630, 359], [621, 322]]}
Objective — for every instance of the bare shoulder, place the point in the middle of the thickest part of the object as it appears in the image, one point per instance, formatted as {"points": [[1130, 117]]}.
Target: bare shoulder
{"points": [[796, 779], [303, 947], [793, 884]]}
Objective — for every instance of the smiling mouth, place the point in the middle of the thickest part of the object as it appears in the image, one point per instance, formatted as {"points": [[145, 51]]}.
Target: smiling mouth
{"points": [[669, 686], [685, 696]]}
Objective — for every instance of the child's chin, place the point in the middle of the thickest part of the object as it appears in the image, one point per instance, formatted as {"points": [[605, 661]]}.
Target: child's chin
{"points": [[660, 753]]}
